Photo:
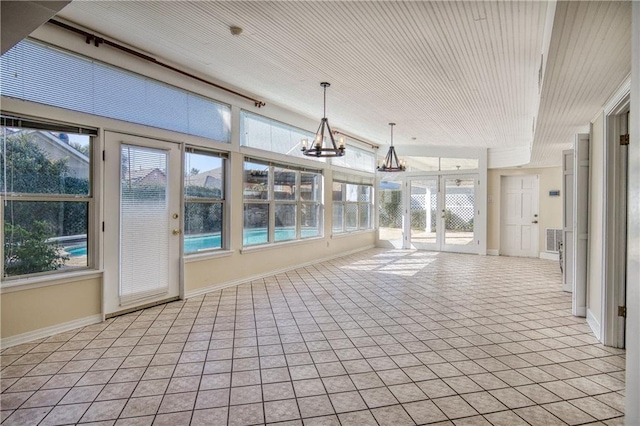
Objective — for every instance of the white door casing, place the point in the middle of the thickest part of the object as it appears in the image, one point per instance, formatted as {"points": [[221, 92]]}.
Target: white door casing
{"points": [[142, 221], [580, 224], [519, 218], [567, 220]]}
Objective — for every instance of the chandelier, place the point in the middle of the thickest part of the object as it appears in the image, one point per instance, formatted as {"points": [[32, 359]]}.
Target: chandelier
{"points": [[391, 162], [318, 148]]}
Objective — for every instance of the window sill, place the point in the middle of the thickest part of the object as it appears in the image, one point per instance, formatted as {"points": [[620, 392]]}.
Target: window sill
{"points": [[214, 254], [22, 284], [261, 247], [352, 233]]}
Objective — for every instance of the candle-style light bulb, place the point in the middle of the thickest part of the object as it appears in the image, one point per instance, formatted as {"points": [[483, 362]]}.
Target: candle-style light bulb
{"points": [[305, 144], [318, 141], [341, 139]]}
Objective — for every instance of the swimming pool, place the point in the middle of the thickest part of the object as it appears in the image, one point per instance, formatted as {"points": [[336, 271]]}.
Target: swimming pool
{"points": [[196, 243]]}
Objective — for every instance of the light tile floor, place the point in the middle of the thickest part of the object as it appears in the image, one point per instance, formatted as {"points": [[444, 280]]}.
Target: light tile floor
{"points": [[382, 337]]}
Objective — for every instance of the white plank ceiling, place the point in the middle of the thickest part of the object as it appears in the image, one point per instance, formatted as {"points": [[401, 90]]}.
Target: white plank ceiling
{"points": [[448, 73]]}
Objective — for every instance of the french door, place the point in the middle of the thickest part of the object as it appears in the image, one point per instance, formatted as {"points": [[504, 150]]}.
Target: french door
{"points": [[441, 213], [142, 221]]}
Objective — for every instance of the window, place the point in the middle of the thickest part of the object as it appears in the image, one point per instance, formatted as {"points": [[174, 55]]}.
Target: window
{"points": [[271, 135], [204, 204], [356, 158], [281, 203], [45, 180], [352, 207], [41, 73]]}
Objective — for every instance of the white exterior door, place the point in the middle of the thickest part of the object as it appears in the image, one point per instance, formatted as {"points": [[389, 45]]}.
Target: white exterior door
{"points": [[142, 221], [519, 233], [424, 223]]}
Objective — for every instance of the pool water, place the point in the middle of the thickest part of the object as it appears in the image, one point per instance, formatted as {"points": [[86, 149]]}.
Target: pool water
{"points": [[206, 242]]}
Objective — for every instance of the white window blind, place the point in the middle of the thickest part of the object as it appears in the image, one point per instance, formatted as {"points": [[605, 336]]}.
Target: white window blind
{"points": [[40, 73], [143, 200]]}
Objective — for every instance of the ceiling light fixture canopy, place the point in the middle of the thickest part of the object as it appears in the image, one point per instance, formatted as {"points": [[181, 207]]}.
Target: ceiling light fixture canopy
{"points": [[391, 162], [318, 149]]}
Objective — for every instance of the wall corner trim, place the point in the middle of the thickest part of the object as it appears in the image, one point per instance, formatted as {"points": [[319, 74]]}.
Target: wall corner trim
{"points": [[594, 325], [208, 289], [550, 256], [49, 331]]}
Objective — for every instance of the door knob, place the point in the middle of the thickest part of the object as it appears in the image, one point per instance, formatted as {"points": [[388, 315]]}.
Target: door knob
{"points": [[534, 221], [176, 232]]}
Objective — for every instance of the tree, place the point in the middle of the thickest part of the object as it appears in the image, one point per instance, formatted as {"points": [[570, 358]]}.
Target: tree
{"points": [[29, 251], [30, 225]]}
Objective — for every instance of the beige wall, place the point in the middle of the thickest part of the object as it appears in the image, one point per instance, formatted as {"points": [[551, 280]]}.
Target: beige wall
{"points": [[596, 218], [550, 208], [241, 266], [29, 310]]}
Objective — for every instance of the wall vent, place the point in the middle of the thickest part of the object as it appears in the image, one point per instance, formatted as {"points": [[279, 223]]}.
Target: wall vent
{"points": [[554, 239]]}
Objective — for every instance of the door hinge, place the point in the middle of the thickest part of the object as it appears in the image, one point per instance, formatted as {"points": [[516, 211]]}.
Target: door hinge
{"points": [[622, 311], [624, 139], [103, 155], [102, 226]]}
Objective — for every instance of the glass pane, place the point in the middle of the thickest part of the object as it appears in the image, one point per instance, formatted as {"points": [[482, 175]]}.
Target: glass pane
{"points": [[427, 164], [356, 158], [364, 194], [365, 216], [43, 162], [284, 185], [285, 222], [42, 236], [424, 199], [458, 163], [338, 190], [459, 211], [256, 224], [352, 192], [270, 135], [338, 212], [203, 176], [310, 220], [202, 226], [256, 181], [390, 212], [351, 212], [310, 186], [144, 221]]}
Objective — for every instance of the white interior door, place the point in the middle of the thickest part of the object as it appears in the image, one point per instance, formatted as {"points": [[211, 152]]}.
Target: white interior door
{"points": [[567, 220], [142, 221], [519, 218], [580, 223]]}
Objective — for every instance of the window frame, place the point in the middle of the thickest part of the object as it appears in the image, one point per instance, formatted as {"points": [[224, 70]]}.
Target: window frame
{"points": [[272, 202], [88, 199], [224, 234], [358, 205]]}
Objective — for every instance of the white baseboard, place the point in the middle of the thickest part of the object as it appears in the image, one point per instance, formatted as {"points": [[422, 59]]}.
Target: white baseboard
{"points": [[30, 336], [493, 252], [220, 286], [567, 287], [549, 256], [594, 325]]}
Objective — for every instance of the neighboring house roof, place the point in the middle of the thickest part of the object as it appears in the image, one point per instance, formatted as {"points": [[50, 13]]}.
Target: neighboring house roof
{"points": [[208, 179]]}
